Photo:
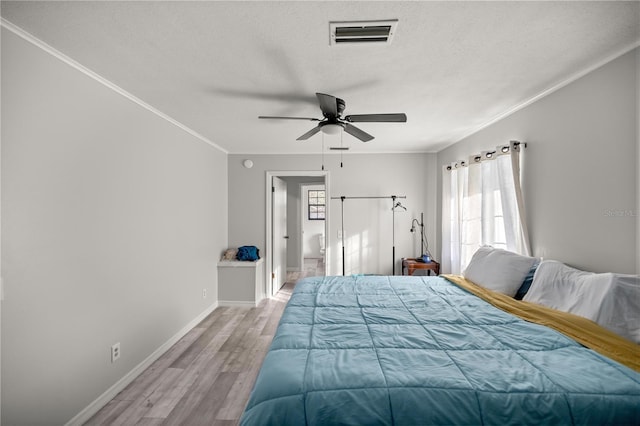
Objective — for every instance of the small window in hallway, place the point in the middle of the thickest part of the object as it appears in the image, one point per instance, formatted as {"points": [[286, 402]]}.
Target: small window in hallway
{"points": [[316, 205]]}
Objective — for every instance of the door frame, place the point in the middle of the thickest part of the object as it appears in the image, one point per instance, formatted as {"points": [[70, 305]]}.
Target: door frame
{"points": [[269, 222], [279, 246]]}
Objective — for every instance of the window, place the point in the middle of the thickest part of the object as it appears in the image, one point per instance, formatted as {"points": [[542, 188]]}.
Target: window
{"points": [[484, 204], [316, 203]]}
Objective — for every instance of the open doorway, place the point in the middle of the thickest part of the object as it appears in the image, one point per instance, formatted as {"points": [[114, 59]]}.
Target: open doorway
{"points": [[312, 248], [283, 224]]}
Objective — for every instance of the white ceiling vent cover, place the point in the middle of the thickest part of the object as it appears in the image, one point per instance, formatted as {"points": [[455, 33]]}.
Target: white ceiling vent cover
{"points": [[362, 32]]}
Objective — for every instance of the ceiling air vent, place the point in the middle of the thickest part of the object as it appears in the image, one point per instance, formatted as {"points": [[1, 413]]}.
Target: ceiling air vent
{"points": [[362, 32]]}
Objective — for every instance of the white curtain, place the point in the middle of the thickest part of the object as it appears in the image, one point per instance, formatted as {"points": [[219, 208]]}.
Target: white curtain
{"points": [[482, 204]]}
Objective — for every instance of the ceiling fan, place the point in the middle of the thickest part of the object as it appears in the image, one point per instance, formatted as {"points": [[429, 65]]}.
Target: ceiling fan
{"points": [[332, 109]]}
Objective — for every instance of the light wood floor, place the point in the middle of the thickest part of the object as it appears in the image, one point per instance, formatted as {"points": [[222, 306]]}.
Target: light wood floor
{"points": [[205, 378]]}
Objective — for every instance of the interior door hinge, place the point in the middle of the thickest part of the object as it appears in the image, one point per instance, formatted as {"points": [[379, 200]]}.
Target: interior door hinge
{"points": [[273, 189], [273, 275]]}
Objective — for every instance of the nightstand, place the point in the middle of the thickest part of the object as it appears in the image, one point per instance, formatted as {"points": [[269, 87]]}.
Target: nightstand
{"points": [[412, 264]]}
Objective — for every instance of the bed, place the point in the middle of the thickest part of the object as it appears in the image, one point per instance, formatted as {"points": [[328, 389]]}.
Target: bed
{"points": [[418, 350]]}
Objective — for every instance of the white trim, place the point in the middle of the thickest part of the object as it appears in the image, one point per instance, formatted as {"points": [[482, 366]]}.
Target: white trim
{"points": [[238, 303], [495, 119], [301, 227], [74, 64], [268, 226], [550, 90], [91, 409], [39, 43]]}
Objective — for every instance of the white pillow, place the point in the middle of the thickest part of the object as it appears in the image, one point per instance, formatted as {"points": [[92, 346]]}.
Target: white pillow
{"points": [[611, 300], [498, 270]]}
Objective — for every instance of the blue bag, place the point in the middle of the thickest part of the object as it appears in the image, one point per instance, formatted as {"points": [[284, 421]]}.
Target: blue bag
{"points": [[248, 253]]}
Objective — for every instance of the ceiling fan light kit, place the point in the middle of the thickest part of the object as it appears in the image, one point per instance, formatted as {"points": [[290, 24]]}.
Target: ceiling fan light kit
{"points": [[333, 121], [331, 129]]}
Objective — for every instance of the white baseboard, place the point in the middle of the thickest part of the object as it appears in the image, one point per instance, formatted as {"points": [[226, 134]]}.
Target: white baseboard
{"points": [[110, 393], [237, 304]]}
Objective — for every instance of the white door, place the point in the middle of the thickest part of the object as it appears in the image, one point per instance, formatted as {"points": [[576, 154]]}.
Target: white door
{"points": [[280, 237]]}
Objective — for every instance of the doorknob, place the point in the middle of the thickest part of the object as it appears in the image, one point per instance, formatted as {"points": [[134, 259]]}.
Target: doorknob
{"points": [[286, 237]]}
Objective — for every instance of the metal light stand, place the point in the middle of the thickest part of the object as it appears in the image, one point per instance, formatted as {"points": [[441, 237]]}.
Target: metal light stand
{"points": [[422, 241], [422, 235]]}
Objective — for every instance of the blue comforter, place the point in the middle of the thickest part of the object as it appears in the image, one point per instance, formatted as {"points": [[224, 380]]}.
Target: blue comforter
{"points": [[419, 350]]}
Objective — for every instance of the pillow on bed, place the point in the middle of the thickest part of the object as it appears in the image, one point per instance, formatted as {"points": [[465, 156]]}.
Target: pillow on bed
{"points": [[611, 300], [528, 279], [498, 270]]}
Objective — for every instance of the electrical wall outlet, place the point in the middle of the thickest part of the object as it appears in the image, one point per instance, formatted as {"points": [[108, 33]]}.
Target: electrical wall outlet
{"points": [[115, 352], [204, 293]]}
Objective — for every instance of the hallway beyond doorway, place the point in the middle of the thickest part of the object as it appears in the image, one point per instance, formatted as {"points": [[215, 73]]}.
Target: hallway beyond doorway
{"points": [[313, 267]]}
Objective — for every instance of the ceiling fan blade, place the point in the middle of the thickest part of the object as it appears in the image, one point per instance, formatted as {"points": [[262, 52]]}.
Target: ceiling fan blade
{"points": [[354, 131], [309, 134], [328, 105], [288, 118], [377, 118]]}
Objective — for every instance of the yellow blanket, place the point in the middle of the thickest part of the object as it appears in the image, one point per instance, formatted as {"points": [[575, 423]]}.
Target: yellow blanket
{"points": [[578, 328]]}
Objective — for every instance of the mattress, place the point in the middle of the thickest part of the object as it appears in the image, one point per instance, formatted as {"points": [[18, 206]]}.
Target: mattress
{"points": [[420, 350]]}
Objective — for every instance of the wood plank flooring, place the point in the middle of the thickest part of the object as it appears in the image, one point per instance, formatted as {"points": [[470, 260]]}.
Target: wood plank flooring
{"points": [[205, 378]]}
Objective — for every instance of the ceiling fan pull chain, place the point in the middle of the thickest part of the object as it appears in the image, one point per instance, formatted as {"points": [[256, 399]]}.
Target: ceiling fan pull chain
{"points": [[341, 148], [323, 151]]}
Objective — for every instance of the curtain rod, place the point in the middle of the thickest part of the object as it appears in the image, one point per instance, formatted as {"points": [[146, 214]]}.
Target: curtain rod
{"points": [[489, 154]]}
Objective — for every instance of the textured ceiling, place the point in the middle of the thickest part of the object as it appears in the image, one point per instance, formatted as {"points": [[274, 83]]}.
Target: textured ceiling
{"points": [[215, 66]]}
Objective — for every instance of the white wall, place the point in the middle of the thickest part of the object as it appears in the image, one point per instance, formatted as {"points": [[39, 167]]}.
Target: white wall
{"points": [[113, 220], [367, 222], [580, 168]]}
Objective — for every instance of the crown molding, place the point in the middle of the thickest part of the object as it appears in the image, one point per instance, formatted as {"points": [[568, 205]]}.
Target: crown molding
{"points": [[550, 90], [4, 23]]}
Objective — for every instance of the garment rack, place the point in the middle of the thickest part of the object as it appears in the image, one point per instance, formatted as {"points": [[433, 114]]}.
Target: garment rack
{"points": [[393, 199]]}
